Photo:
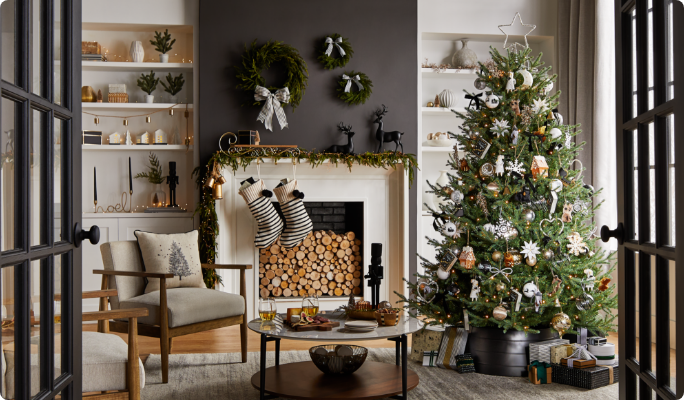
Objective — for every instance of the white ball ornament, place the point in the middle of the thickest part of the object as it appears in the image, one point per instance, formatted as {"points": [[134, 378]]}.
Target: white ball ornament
{"points": [[492, 100], [530, 289], [548, 88], [442, 274], [555, 133], [457, 196], [449, 229]]}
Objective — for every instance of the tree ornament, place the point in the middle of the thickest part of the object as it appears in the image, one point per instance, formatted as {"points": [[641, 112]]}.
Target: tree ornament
{"points": [[603, 285], [452, 230], [530, 249], [443, 274], [481, 201], [528, 215], [493, 187], [500, 127], [499, 313], [343, 47], [557, 117], [555, 186], [455, 250], [576, 245], [548, 254], [492, 100], [510, 85], [539, 105], [500, 165], [527, 79], [515, 135], [556, 284], [487, 169], [589, 280], [485, 267], [548, 88], [531, 261], [511, 234], [427, 290], [362, 83], [567, 212], [538, 296], [480, 84], [467, 257], [561, 323], [453, 289], [475, 289], [515, 106], [580, 206], [511, 258], [530, 289], [500, 287], [457, 197], [584, 301], [515, 167], [496, 256], [555, 133], [539, 167]]}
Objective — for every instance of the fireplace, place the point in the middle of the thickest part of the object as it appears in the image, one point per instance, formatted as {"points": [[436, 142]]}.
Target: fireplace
{"points": [[328, 263]]}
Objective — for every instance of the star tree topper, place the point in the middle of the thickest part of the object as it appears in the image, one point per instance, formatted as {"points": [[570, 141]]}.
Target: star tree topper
{"points": [[515, 44]]}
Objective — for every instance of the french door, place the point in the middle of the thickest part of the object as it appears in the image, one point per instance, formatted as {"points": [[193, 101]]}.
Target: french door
{"points": [[40, 198], [650, 136]]}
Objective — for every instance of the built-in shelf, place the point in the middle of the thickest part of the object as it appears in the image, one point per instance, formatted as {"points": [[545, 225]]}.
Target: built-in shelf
{"points": [[441, 111], [145, 147], [132, 106], [497, 38], [430, 73], [133, 27], [427, 149], [135, 67], [137, 215]]}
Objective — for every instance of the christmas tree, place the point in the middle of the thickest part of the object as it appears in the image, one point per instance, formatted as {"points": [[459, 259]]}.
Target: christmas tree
{"points": [[518, 248], [178, 265]]}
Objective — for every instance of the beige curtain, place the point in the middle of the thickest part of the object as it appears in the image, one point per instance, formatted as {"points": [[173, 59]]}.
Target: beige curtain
{"points": [[586, 77]]}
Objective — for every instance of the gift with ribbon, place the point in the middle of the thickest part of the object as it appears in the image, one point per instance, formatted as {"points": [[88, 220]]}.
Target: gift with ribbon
{"points": [[474, 98], [334, 43], [540, 372], [465, 363], [541, 351], [430, 358], [356, 79], [272, 105], [425, 340], [559, 352], [605, 353], [453, 344]]}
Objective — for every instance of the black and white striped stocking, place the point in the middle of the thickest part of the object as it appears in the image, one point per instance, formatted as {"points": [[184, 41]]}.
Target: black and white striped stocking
{"points": [[269, 223], [297, 222]]}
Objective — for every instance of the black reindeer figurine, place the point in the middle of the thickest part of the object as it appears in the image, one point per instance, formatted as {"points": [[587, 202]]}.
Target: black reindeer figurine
{"points": [[343, 149], [382, 136]]}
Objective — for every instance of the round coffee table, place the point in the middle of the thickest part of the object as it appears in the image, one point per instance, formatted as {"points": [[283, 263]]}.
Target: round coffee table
{"points": [[303, 380]]}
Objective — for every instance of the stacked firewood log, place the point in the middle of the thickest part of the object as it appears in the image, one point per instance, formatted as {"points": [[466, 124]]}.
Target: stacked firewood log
{"points": [[324, 264]]}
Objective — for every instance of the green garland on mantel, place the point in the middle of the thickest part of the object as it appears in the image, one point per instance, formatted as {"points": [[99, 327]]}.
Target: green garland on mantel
{"points": [[206, 208]]}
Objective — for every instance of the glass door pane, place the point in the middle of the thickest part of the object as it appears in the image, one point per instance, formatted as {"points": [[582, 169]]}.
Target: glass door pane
{"points": [[8, 176], [37, 26], [8, 40], [37, 178], [57, 51]]}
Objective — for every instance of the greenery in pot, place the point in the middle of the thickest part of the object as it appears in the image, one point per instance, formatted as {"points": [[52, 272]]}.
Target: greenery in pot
{"points": [[155, 173], [175, 85], [162, 42], [148, 83]]}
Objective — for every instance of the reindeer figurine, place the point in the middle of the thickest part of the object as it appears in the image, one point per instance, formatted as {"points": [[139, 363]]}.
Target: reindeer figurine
{"points": [[382, 136], [343, 149]]}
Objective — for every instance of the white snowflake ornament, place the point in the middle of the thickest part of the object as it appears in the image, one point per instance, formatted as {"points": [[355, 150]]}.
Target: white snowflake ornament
{"points": [[515, 166], [500, 127], [539, 105], [530, 249], [576, 245], [502, 228]]}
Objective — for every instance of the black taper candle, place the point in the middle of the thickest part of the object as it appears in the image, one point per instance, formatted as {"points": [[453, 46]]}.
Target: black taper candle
{"points": [[95, 182], [130, 175]]}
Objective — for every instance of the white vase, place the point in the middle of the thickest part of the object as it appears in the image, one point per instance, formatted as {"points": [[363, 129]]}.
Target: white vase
{"points": [[443, 181], [447, 99], [137, 51], [149, 98], [464, 58], [164, 58]]}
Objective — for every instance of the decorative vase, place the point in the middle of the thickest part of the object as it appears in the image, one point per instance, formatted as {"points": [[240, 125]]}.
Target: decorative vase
{"points": [[443, 181], [149, 98], [503, 354], [158, 196], [88, 95], [164, 58], [464, 58], [447, 98], [137, 52]]}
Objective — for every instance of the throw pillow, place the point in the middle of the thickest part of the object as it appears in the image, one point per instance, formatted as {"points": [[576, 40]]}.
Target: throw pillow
{"points": [[176, 253]]}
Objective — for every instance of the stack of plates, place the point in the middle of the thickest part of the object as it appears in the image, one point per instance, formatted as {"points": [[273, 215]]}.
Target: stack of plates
{"points": [[361, 326]]}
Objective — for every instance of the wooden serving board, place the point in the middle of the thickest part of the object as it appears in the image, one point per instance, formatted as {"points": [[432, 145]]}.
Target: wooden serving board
{"points": [[327, 326]]}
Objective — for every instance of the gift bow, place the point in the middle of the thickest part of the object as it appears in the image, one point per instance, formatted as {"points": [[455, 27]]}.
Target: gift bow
{"points": [[349, 79], [475, 98], [271, 105], [336, 43], [580, 352], [541, 369], [503, 271]]}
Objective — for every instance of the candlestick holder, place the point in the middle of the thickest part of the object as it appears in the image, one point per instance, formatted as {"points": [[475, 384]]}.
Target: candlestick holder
{"points": [[119, 207]]}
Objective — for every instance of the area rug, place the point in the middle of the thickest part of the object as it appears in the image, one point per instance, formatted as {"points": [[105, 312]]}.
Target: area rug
{"points": [[223, 376]]}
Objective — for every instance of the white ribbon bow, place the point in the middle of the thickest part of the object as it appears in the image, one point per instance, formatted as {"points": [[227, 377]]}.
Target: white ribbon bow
{"points": [[349, 79], [335, 43], [503, 271], [272, 104]]}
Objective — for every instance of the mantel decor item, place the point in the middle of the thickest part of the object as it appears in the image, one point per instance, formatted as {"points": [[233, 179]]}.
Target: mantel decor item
{"points": [[343, 149], [335, 43], [465, 57], [345, 88], [447, 99], [381, 136], [172, 181], [137, 52], [163, 43], [175, 85], [88, 95], [257, 58], [155, 175], [148, 83]]}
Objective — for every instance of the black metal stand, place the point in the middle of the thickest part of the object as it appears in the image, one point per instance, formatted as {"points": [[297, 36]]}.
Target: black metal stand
{"points": [[262, 372], [402, 344]]}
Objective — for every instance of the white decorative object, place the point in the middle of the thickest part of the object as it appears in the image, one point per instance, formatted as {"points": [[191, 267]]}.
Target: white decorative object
{"points": [[530, 289], [464, 58], [539, 105], [555, 133], [452, 230], [115, 138], [164, 58], [145, 138], [527, 79], [128, 138], [510, 85], [492, 100], [160, 137], [548, 88], [589, 280], [149, 98], [117, 88], [475, 290], [442, 181], [499, 165], [137, 52], [442, 274], [447, 98]]}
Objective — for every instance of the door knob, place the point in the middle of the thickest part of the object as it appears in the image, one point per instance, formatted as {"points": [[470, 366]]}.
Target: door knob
{"points": [[617, 233], [80, 235]]}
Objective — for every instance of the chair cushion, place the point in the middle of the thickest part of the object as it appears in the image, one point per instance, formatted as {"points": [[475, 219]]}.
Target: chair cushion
{"points": [[175, 253], [123, 256], [188, 306]]}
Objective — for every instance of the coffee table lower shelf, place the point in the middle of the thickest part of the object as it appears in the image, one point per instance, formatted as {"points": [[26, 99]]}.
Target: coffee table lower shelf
{"points": [[303, 380]]}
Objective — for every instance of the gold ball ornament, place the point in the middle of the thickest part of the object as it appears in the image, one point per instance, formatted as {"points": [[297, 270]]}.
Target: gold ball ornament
{"points": [[531, 261], [548, 254], [496, 256], [499, 313], [500, 287], [529, 215], [430, 104], [561, 323]]}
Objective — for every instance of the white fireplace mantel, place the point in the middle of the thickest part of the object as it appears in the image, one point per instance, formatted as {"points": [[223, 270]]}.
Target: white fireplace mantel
{"points": [[384, 193]]}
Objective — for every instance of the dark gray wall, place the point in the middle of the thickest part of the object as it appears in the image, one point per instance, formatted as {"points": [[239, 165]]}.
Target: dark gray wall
{"points": [[383, 34]]}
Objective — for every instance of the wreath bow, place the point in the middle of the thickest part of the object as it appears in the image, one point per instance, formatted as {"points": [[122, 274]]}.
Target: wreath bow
{"points": [[349, 79], [271, 105], [334, 42]]}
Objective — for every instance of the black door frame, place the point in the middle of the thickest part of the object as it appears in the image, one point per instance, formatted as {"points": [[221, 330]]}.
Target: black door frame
{"points": [[637, 376], [68, 384]]}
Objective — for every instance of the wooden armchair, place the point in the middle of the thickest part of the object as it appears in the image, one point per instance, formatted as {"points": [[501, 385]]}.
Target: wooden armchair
{"points": [[172, 312]]}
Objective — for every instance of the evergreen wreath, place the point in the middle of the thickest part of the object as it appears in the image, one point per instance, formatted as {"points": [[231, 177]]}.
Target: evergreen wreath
{"points": [[355, 96], [256, 58], [330, 62]]}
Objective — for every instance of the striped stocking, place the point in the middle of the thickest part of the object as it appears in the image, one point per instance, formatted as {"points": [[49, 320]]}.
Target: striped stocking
{"points": [[297, 222], [269, 223]]}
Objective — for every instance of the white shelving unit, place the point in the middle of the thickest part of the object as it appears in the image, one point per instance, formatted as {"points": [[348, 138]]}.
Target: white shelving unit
{"points": [[133, 106], [135, 67], [123, 147]]}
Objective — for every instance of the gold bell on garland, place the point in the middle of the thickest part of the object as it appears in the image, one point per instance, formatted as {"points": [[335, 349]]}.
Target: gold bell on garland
{"points": [[217, 191], [215, 182]]}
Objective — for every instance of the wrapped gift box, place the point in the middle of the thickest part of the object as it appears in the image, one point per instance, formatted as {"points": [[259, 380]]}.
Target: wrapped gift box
{"points": [[540, 372], [541, 351], [585, 378], [559, 352], [465, 363], [578, 363], [605, 353], [429, 358], [453, 344], [423, 341]]}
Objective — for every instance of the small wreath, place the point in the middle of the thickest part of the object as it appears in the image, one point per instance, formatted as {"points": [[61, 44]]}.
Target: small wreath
{"points": [[354, 95], [256, 58], [335, 43]]}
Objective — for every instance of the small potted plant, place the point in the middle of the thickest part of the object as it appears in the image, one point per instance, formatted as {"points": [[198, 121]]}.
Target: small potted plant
{"points": [[148, 83], [163, 44], [155, 175], [175, 85]]}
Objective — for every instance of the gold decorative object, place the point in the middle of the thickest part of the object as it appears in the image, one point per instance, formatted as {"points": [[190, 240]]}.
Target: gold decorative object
{"points": [[171, 112], [217, 192], [148, 119], [88, 95], [97, 121], [561, 323], [99, 96], [117, 208], [430, 104], [125, 122]]}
